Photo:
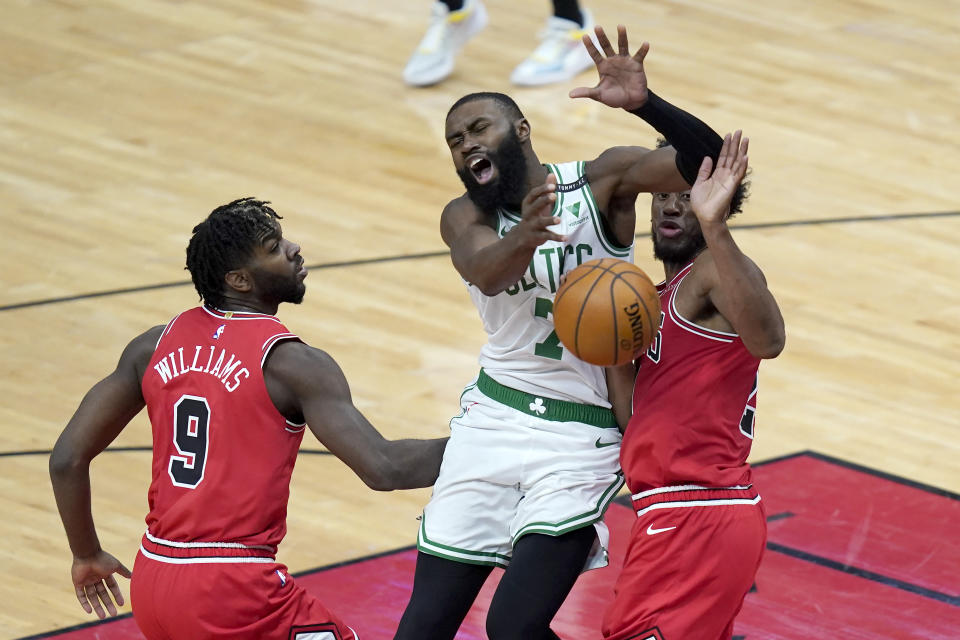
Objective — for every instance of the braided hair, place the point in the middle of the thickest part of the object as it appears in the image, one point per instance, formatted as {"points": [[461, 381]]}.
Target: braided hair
{"points": [[226, 241]]}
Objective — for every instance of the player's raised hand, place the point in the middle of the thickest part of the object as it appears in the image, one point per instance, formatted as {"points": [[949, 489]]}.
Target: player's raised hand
{"points": [[714, 189], [536, 214], [94, 583], [623, 82]]}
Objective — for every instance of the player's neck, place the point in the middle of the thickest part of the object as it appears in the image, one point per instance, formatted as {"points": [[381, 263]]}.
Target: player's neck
{"points": [[536, 173], [232, 303], [671, 269]]}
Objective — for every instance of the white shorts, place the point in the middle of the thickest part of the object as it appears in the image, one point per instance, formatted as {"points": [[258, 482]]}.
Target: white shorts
{"points": [[516, 464]]}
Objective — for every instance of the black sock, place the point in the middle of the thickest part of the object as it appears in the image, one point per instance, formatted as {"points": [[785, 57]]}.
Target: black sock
{"points": [[453, 5], [568, 10]]}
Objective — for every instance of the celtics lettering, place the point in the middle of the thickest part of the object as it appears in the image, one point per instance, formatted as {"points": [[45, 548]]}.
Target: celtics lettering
{"points": [[552, 263]]}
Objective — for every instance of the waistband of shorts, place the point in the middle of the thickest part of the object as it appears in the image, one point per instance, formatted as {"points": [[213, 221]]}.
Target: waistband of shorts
{"points": [[691, 495], [545, 408], [204, 552]]}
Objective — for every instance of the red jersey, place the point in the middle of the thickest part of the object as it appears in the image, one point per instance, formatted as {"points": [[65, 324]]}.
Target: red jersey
{"points": [[693, 406], [222, 453]]}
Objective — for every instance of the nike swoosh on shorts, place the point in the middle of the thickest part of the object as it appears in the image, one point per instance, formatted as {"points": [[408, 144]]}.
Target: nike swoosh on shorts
{"points": [[600, 445], [652, 532]]}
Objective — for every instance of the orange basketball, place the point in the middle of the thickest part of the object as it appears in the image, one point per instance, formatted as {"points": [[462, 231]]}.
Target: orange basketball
{"points": [[607, 312]]}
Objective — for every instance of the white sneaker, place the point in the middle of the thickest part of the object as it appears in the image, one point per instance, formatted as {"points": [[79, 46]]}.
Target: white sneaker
{"points": [[560, 56], [446, 35]]}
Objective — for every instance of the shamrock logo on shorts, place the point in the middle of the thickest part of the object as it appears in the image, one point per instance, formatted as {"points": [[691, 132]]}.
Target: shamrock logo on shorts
{"points": [[537, 406]]}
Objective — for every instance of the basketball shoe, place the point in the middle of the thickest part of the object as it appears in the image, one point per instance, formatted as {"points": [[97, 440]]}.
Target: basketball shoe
{"points": [[561, 54], [447, 33]]}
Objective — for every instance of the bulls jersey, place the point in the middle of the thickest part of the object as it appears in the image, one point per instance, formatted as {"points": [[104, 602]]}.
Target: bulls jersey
{"points": [[693, 406], [522, 349], [222, 454]]}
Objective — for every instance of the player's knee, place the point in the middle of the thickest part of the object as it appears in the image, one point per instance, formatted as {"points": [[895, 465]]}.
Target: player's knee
{"points": [[504, 624]]}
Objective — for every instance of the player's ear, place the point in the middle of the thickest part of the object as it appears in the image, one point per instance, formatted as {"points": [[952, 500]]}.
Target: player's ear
{"points": [[522, 128], [239, 280]]}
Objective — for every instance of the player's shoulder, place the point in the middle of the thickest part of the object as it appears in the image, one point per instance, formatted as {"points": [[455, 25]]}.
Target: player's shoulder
{"points": [[614, 161], [704, 269], [461, 206], [147, 341], [460, 214], [294, 358], [138, 352]]}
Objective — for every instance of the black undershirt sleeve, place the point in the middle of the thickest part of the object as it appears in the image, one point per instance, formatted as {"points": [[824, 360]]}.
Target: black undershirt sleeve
{"points": [[691, 137]]}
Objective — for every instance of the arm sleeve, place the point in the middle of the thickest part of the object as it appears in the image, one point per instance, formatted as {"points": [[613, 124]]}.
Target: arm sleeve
{"points": [[691, 137]]}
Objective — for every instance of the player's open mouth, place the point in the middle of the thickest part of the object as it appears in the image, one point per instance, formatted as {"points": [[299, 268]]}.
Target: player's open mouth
{"points": [[669, 229], [481, 168]]}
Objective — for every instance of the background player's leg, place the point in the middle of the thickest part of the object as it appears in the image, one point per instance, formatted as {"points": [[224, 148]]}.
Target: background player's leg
{"points": [[568, 10], [443, 591], [541, 574]]}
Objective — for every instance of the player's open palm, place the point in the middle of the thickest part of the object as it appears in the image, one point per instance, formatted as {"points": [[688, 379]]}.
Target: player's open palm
{"points": [[536, 214], [623, 82], [95, 584], [714, 188]]}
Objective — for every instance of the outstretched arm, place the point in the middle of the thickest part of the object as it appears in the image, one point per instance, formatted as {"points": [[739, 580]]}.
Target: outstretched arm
{"points": [[104, 412], [307, 381], [734, 284], [620, 381], [623, 84], [485, 259]]}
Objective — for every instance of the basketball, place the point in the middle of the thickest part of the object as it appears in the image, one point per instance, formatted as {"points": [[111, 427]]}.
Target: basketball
{"points": [[607, 312]]}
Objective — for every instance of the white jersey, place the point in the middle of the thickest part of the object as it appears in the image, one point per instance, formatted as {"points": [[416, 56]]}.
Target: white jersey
{"points": [[522, 349]]}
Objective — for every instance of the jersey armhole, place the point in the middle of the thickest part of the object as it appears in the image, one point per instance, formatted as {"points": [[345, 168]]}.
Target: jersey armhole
{"points": [[273, 341]]}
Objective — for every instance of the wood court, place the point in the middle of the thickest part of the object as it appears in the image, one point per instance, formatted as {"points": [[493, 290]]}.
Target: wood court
{"points": [[122, 124]]}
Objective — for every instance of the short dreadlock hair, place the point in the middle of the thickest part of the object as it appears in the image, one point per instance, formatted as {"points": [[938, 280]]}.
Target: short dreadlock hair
{"points": [[739, 196], [226, 241]]}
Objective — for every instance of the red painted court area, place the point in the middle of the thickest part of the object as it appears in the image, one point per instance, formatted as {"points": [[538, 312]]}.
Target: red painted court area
{"points": [[852, 554]]}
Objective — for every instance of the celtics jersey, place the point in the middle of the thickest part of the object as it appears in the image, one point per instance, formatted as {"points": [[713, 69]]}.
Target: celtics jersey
{"points": [[522, 349]]}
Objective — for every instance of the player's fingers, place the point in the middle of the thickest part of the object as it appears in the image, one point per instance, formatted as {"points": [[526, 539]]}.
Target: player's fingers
{"points": [[115, 589], [592, 48], [122, 570], [706, 168], [734, 150], [585, 92], [604, 41], [536, 208], [548, 187], [622, 41], [535, 193], [556, 237], [642, 52], [94, 600], [744, 146], [82, 599], [544, 202], [724, 152], [743, 161], [104, 596], [547, 221]]}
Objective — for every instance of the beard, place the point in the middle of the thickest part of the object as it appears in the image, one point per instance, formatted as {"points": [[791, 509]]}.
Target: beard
{"points": [[677, 251], [510, 185], [277, 288]]}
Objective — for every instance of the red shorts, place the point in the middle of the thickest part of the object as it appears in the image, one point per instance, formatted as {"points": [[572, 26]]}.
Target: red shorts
{"points": [[692, 557], [241, 601]]}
